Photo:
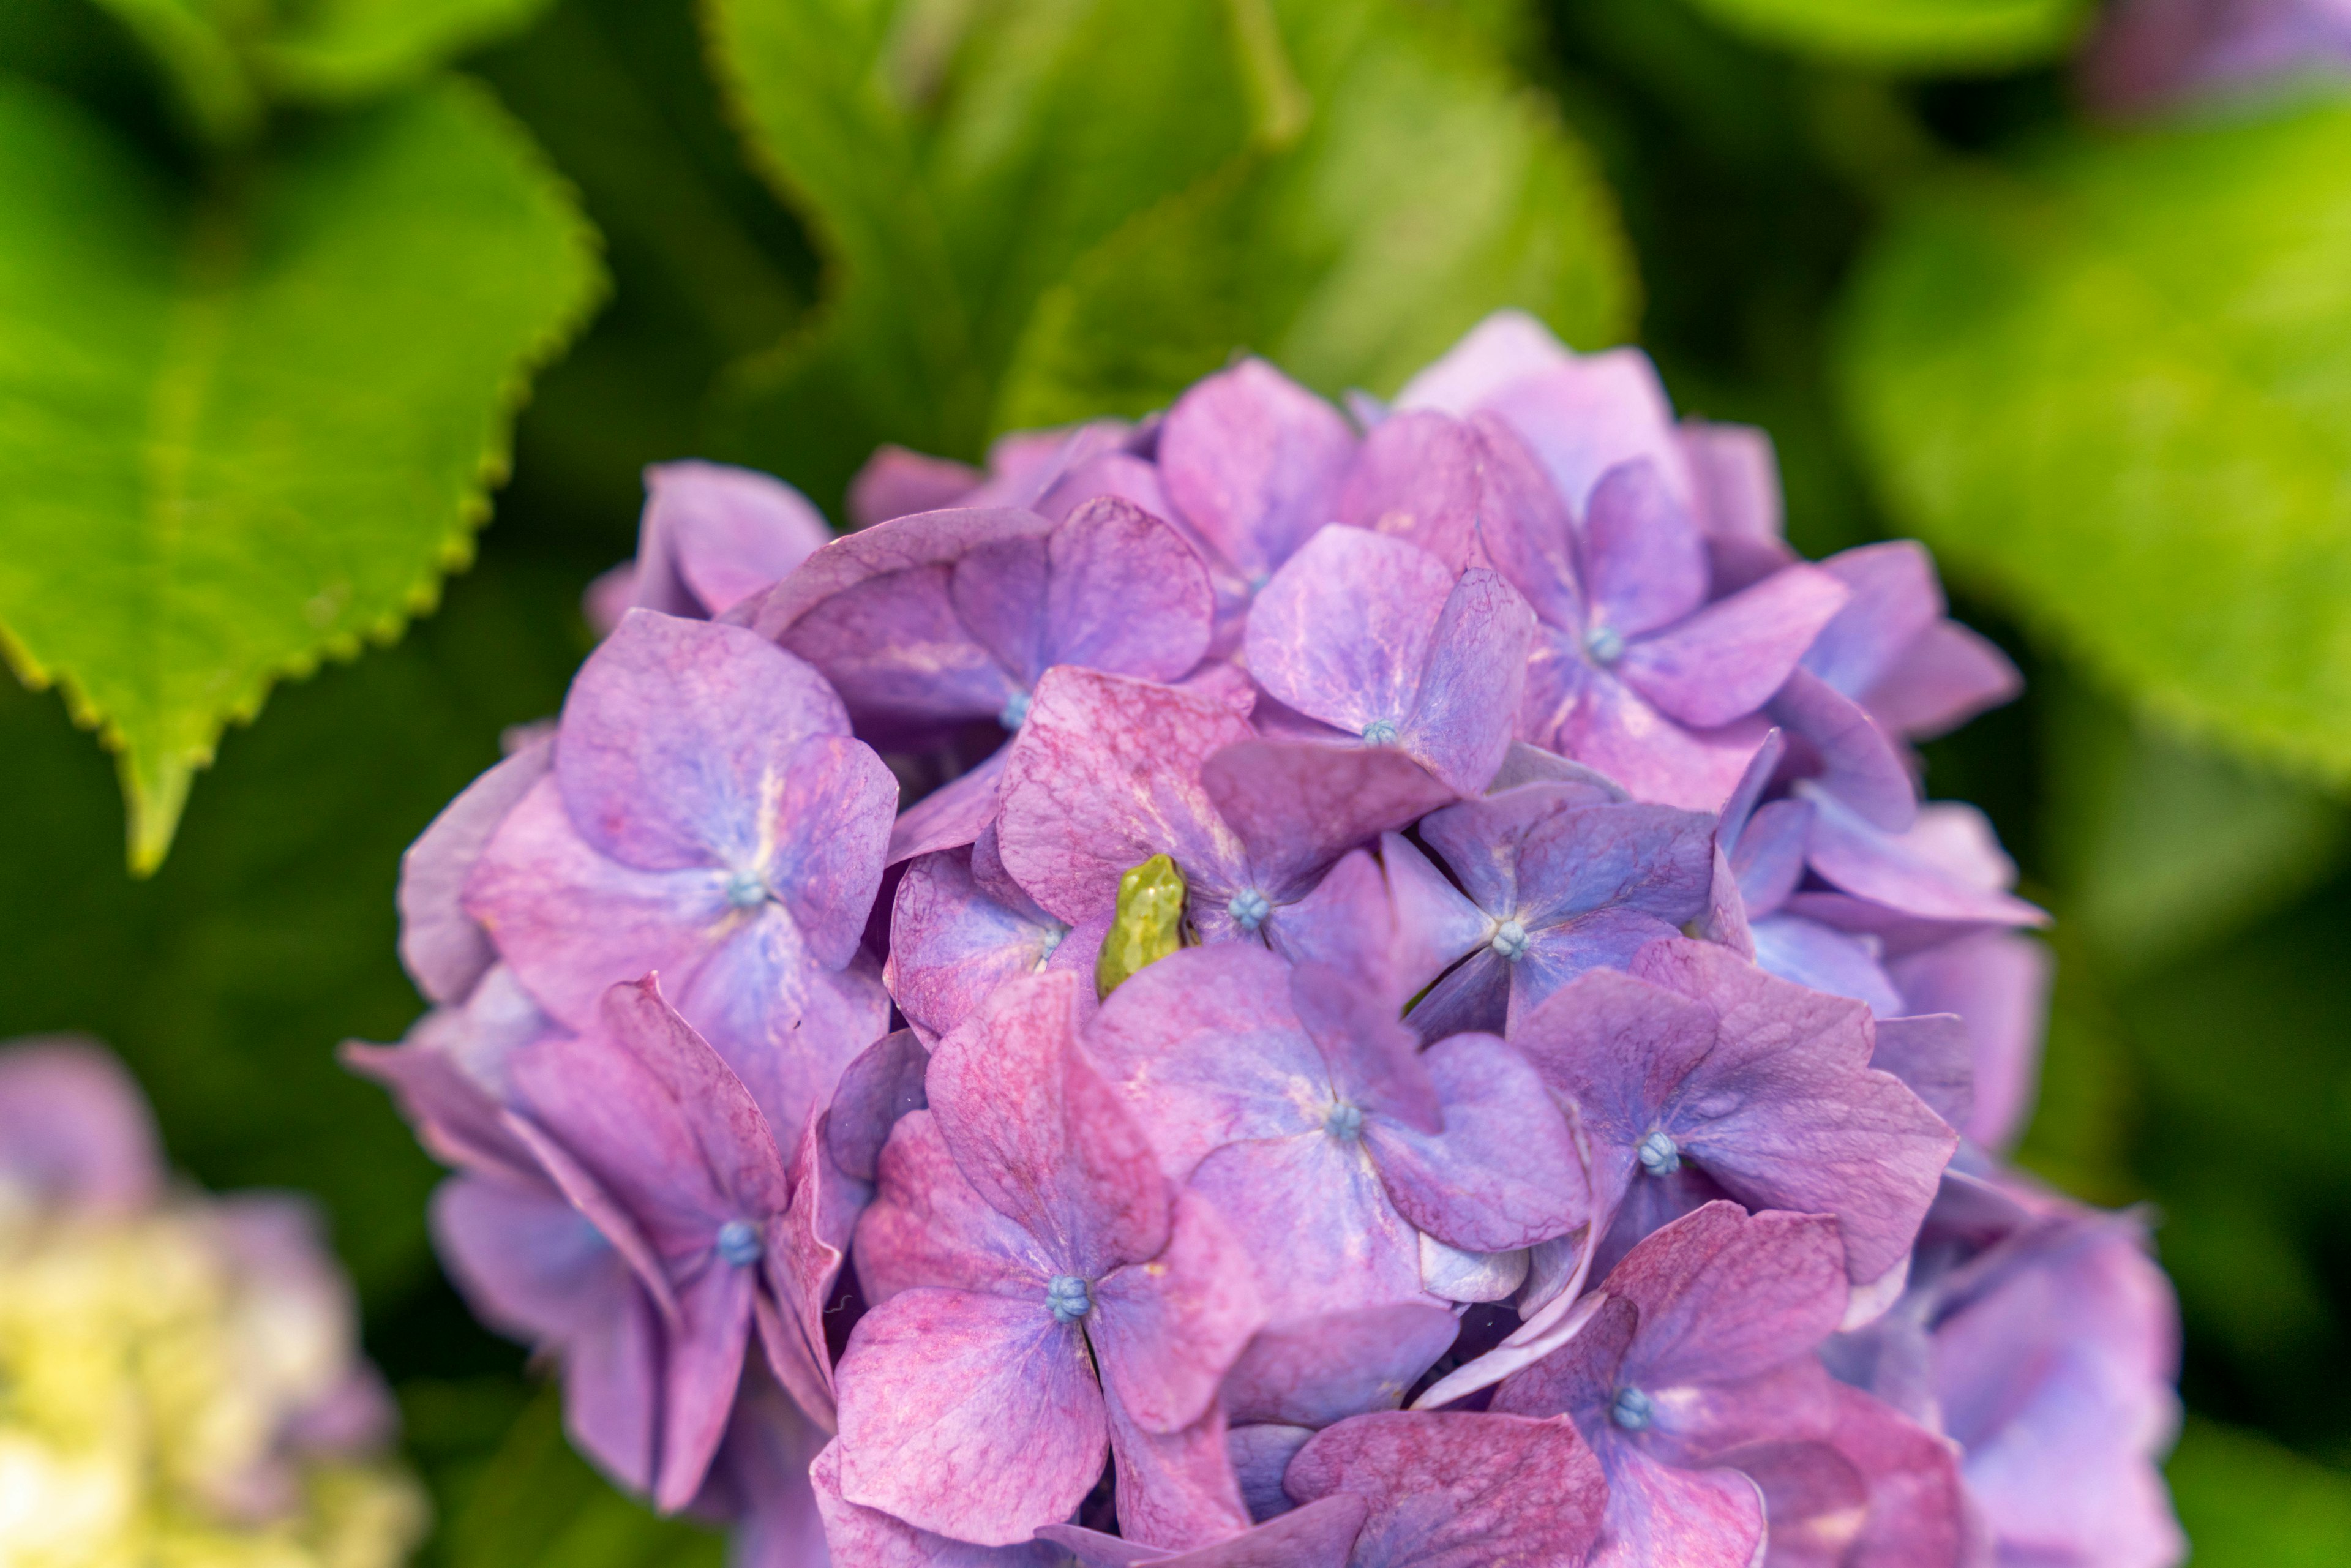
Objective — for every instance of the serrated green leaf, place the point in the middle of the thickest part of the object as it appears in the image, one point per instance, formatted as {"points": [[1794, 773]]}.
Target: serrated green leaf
{"points": [[249, 433], [2112, 385], [1427, 190], [335, 51], [2246, 1502], [1909, 35]]}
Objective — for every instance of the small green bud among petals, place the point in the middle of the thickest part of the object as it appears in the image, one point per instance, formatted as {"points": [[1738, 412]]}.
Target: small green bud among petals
{"points": [[1149, 924]]}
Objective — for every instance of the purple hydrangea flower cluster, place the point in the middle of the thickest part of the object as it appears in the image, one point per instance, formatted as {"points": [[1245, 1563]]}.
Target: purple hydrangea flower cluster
{"points": [[1280, 985]]}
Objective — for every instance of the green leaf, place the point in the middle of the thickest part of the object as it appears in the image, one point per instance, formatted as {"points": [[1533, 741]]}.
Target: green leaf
{"points": [[193, 43], [538, 1504], [1427, 190], [248, 432], [2111, 386], [2248, 1503], [1909, 35]]}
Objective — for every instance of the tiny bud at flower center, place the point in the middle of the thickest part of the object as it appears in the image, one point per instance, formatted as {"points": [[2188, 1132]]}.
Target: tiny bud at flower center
{"points": [[738, 1244], [1660, 1156], [1248, 908], [1379, 732], [746, 890], [1632, 1409], [1014, 712], [1345, 1123], [1068, 1299], [1511, 940], [1604, 644]]}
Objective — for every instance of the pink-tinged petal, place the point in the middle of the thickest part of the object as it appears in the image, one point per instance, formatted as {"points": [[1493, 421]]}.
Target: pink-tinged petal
{"points": [[1415, 478], [1312, 1372], [611, 1376], [1254, 462], [804, 1254], [1546, 1390], [1103, 775], [1504, 1172], [1523, 538], [1042, 1136], [998, 590], [675, 739], [1471, 690], [1164, 1333], [976, 1414], [721, 533], [1724, 1295], [907, 668], [782, 1023], [868, 1538], [1691, 1519], [1375, 1063], [1206, 1049], [1944, 679], [1844, 752], [1459, 1276], [1315, 1218], [1343, 630], [1726, 661], [1930, 1053], [1317, 1536], [74, 1129], [906, 544], [1895, 598], [1024, 465], [1176, 1491], [951, 816], [1300, 805], [1121, 473], [611, 1217], [759, 1480], [1451, 1489], [1644, 562], [951, 946], [1999, 983], [700, 1372], [1581, 413], [1825, 960], [928, 1226], [1435, 924], [882, 1084], [1614, 730], [1348, 926], [1127, 594], [442, 949], [1947, 867], [454, 1117], [530, 1264], [702, 1093], [830, 817], [610, 595], [896, 482], [1769, 859], [1740, 807], [1260, 1453], [1737, 477]]}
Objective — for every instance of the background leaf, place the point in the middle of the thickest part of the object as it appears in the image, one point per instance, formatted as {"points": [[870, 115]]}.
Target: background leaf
{"points": [[2112, 388], [2248, 1503], [333, 51], [245, 433], [1909, 35]]}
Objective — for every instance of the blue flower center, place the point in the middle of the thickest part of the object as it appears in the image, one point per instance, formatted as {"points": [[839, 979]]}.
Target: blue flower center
{"points": [[1068, 1299], [1345, 1123], [1014, 712], [1050, 944], [1511, 940], [1604, 644], [1632, 1409], [1248, 908], [1379, 732], [740, 1244], [1660, 1156], [746, 890]]}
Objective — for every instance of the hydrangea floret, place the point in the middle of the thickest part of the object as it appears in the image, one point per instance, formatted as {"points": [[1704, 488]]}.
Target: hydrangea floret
{"points": [[1278, 986]]}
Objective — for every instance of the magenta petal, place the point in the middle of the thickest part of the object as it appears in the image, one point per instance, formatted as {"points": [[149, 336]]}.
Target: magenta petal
{"points": [[1300, 805], [529, 1262], [1930, 1053], [1726, 661], [1947, 867], [1313, 1215], [1253, 461], [699, 1376], [74, 1129], [1127, 594], [883, 1084], [1176, 1491], [927, 1226], [674, 735], [869, 1538], [951, 816], [951, 946], [1738, 480], [1343, 630], [1103, 776], [1856, 763], [1504, 1173], [830, 812], [1314, 1371], [444, 950], [1691, 1519], [1415, 478], [1042, 1136], [721, 533], [1644, 564], [976, 1414], [1724, 1295], [1317, 1536], [1164, 1333], [1450, 1489], [1614, 730], [896, 482]]}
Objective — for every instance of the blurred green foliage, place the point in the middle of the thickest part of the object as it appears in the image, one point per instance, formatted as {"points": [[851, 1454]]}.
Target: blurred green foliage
{"points": [[2094, 369]]}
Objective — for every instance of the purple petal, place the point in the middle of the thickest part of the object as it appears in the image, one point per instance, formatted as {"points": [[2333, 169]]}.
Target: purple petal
{"points": [[928, 1226], [1724, 661], [1469, 695], [1738, 480], [454, 1117], [1895, 598], [871, 1538], [1375, 1061], [675, 734], [1947, 867], [761, 1481], [1646, 860], [1128, 477], [1504, 1173], [1474, 998], [721, 533], [1166, 1332], [896, 482], [1999, 983], [610, 1216], [906, 543], [1345, 629], [1724, 1295], [1644, 564], [999, 590], [1044, 1137], [951, 816], [529, 1263], [1300, 805], [783, 1024], [1176, 1491], [1254, 462], [831, 810], [1769, 860], [951, 946], [1525, 764], [1104, 775], [1449, 1490], [1845, 752], [976, 1414], [1348, 924], [1435, 924], [1947, 677], [1415, 478], [882, 1084], [1613, 728], [1260, 1453], [1127, 595], [1312, 1372], [1691, 1519], [1318, 1536], [700, 1372], [444, 951], [1313, 1215], [1930, 1053], [75, 1131], [1825, 960]]}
